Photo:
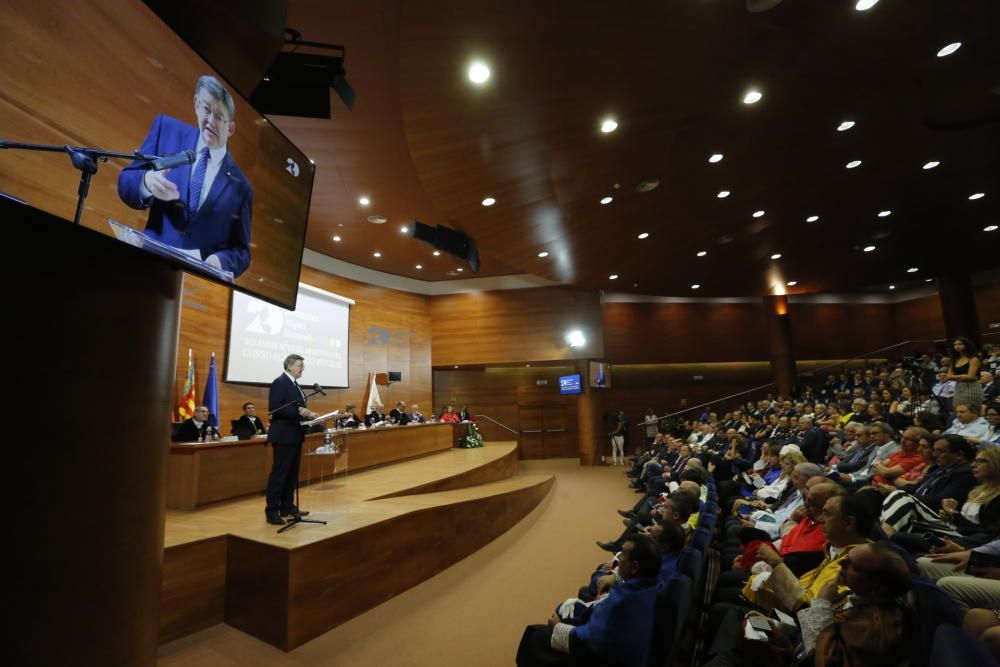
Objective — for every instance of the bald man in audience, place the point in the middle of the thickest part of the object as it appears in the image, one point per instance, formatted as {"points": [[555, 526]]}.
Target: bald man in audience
{"points": [[195, 428]]}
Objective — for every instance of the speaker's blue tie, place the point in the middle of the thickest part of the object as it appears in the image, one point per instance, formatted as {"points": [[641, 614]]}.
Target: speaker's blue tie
{"points": [[198, 180]]}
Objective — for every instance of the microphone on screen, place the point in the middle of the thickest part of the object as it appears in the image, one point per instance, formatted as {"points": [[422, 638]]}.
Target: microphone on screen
{"points": [[319, 389], [171, 161]]}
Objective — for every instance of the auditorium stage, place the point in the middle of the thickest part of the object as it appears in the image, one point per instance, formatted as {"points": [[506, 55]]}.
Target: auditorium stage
{"points": [[388, 529]]}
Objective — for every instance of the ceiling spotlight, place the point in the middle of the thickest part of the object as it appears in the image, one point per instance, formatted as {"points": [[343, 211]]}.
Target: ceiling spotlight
{"points": [[613, 276], [892, 287], [950, 49], [716, 157], [812, 218], [931, 164], [460, 269], [792, 283], [865, 5], [404, 229], [437, 253], [977, 195], [644, 235], [929, 280], [543, 254], [695, 286], [884, 214], [609, 125], [702, 253], [336, 239], [912, 269], [606, 200], [725, 193], [420, 266], [846, 125], [869, 248], [776, 255], [489, 201], [758, 214], [990, 228], [376, 254], [853, 163], [456, 366], [575, 338], [377, 219], [478, 73], [364, 201], [752, 97]]}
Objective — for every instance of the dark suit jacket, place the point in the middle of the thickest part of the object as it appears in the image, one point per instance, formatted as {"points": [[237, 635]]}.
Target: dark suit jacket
{"points": [[189, 432], [398, 417], [285, 429], [351, 421], [373, 418], [814, 445], [221, 226], [956, 482], [246, 428]]}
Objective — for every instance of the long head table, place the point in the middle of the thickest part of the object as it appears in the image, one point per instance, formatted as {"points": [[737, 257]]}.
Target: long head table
{"points": [[206, 472]]}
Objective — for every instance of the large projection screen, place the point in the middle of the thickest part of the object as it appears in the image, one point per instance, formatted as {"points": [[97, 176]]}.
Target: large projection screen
{"points": [[261, 335]]}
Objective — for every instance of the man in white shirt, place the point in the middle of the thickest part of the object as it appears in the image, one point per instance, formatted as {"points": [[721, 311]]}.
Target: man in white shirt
{"points": [[944, 388], [968, 423]]}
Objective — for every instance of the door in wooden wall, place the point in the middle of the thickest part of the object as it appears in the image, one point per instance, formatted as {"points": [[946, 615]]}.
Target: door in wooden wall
{"points": [[559, 441], [532, 432]]}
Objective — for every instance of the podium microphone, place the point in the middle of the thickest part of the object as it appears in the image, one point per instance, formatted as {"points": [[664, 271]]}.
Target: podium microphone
{"points": [[318, 389], [171, 161]]}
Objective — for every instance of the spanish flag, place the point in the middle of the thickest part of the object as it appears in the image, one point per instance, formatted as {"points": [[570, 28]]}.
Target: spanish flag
{"points": [[185, 410]]}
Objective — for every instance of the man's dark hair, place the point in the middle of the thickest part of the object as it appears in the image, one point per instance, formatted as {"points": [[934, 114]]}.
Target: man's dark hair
{"points": [[672, 537], [959, 445], [646, 553], [291, 359], [694, 475], [246, 404], [684, 504], [853, 507]]}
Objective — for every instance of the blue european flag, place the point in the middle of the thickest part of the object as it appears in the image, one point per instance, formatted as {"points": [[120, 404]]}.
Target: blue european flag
{"points": [[212, 395]]}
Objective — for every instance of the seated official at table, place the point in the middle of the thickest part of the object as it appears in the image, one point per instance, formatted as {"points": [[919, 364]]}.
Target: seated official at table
{"points": [[415, 415], [350, 418], [195, 427], [399, 415], [448, 415], [249, 424], [376, 416]]}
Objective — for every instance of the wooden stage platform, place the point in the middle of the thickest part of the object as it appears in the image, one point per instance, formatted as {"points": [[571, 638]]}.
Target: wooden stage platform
{"points": [[388, 529]]}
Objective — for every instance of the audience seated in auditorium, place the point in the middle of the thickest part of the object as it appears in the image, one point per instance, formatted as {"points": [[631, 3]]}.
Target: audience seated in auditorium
{"points": [[968, 584]]}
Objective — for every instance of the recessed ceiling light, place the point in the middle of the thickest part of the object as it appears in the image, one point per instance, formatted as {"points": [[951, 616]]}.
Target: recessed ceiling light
{"points": [[758, 214], [846, 125], [977, 195], [725, 193], [437, 253], [336, 238], [950, 49], [853, 163], [607, 200], [456, 366], [377, 219], [543, 254], [478, 73], [364, 201], [420, 266], [892, 287], [376, 254], [527, 365], [489, 201], [912, 269], [460, 269], [792, 283], [929, 280], [990, 228], [869, 248], [613, 276], [776, 255], [884, 214], [644, 235], [702, 253], [865, 5], [609, 125], [716, 157], [931, 164], [404, 229], [695, 286], [812, 218], [752, 97]]}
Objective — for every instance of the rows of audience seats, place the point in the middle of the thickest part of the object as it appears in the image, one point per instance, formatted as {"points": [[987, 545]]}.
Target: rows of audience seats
{"points": [[783, 535]]}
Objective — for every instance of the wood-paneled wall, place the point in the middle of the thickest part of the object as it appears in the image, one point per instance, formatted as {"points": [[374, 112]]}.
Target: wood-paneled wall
{"points": [[515, 326], [389, 330]]}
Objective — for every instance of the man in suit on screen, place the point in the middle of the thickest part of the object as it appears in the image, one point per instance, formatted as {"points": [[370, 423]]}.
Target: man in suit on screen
{"points": [[205, 206], [287, 404]]}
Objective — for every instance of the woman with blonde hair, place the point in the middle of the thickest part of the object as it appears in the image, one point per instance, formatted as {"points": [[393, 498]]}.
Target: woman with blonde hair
{"points": [[956, 528]]}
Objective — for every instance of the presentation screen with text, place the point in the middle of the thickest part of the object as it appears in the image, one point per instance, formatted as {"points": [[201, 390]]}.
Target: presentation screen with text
{"points": [[261, 335]]}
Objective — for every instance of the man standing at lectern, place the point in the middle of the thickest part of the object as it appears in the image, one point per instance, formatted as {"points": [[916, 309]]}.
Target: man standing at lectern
{"points": [[287, 404], [205, 206]]}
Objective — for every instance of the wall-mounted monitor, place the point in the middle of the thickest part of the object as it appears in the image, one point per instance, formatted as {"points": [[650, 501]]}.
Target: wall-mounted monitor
{"points": [[570, 384], [235, 213], [600, 375]]}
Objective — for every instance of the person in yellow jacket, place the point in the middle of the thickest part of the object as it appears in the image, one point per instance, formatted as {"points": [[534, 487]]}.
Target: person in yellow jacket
{"points": [[847, 522]]}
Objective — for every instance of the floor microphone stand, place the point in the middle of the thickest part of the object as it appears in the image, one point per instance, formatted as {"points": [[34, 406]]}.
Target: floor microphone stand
{"points": [[297, 516]]}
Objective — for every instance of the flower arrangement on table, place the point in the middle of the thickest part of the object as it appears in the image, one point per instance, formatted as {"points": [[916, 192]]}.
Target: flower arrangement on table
{"points": [[472, 439]]}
